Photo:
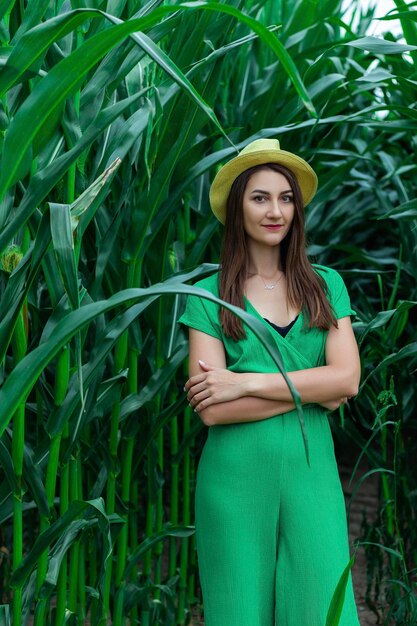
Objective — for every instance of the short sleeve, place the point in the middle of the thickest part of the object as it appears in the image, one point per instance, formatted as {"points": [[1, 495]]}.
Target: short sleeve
{"points": [[339, 296], [202, 314]]}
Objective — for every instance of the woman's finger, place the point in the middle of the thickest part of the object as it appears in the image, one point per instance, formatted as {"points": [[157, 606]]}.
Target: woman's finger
{"points": [[203, 404], [198, 397], [194, 380], [196, 389]]}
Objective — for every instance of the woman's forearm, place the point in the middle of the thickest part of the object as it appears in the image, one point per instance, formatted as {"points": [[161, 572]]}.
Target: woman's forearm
{"points": [[219, 386], [318, 384], [245, 409]]}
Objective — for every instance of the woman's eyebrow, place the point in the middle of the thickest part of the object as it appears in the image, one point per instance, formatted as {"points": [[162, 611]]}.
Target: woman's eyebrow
{"points": [[267, 192]]}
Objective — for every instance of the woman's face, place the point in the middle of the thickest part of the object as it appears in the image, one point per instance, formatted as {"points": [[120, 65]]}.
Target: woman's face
{"points": [[268, 207]]}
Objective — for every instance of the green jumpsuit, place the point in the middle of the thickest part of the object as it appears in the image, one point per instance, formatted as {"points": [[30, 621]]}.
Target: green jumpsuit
{"points": [[271, 532]]}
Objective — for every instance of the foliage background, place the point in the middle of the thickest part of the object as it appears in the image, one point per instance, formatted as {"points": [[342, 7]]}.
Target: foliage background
{"points": [[114, 116]]}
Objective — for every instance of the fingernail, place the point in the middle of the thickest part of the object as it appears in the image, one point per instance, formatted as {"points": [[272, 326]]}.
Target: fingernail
{"points": [[201, 362], [185, 388]]}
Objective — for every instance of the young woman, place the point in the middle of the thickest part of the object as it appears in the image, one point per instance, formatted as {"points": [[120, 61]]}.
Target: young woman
{"points": [[271, 529]]}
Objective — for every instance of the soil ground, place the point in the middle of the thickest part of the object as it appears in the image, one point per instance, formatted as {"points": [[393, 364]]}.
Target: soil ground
{"points": [[365, 503]]}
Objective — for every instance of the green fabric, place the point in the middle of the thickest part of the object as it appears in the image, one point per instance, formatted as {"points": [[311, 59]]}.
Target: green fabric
{"points": [[271, 531], [307, 347]]}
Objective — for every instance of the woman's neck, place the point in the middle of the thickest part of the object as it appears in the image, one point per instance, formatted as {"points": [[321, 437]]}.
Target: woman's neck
{"points": [[264, 261]]}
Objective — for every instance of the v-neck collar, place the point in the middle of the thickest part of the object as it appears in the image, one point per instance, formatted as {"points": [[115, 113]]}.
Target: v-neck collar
{"points": [[297, 321]]}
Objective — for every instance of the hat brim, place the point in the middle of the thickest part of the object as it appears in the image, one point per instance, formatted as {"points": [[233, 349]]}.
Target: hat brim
{"points": [[222, 183]]}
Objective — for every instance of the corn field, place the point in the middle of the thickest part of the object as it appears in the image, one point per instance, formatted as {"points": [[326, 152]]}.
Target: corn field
{"points": [[114, 116]]}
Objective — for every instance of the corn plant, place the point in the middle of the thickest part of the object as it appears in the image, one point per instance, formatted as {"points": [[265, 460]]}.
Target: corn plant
{"points": [[114, 117]]}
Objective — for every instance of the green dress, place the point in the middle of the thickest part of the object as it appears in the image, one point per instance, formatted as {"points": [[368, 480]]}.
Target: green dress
{"points": [[271, 531]]}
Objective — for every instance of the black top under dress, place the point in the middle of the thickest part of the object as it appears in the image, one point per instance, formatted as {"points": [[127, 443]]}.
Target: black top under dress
{"points": [[283, 330]]}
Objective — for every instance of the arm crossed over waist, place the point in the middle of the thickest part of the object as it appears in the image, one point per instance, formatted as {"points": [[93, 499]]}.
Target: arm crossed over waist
{"points": [[222, 397]]}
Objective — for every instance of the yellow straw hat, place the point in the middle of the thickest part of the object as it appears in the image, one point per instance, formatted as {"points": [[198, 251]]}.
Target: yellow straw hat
{"points": [[256, 153]]}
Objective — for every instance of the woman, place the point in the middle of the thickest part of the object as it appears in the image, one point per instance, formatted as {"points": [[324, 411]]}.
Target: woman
{"points": [[271, 529]]}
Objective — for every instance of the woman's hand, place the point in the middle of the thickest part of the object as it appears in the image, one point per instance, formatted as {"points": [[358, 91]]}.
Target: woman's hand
{"points": [[214, 385]]}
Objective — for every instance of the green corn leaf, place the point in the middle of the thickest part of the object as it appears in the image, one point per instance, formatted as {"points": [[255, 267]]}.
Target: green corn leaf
{"points": [[387, 549], [108, 394], [410, 15], [382, 318], [34, 12], [410, 350], [19, 283], [19, 383], [405, 211], [33, 476], [85, 206], [34, 43], [169, 531], [378, 45], [60, 549], [161, 420], [365, 447], [104, 345], [336, 605], [61, 82], [43, 181], [157, 381], [168, 66], [220, 52], [268, 38], [407, 16], [63, 243], [6, 464], [377, 470], [5, 7], [6, 507], [127, 137], [5, 615], [77, 510], [65, 220]]}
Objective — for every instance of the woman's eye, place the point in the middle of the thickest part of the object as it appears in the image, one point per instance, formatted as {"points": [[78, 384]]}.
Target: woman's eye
{"points": [[287, 198], [259, 198]]}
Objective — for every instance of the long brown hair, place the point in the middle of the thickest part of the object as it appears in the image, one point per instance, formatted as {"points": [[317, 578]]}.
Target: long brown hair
{"points": [[305, 288]]}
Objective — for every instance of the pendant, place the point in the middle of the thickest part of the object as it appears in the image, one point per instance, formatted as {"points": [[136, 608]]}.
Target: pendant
{"points": [[269, 287]]}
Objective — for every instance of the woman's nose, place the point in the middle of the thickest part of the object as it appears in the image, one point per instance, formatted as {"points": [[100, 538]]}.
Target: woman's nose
{"points": [[275, 207]]}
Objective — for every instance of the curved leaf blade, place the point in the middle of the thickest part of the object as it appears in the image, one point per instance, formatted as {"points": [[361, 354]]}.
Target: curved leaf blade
{"points": [[377, 45], [336, 605], [21, 380]]}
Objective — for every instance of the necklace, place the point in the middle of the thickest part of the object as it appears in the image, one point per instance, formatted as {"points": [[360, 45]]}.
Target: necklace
{"points": [[274, 284]]}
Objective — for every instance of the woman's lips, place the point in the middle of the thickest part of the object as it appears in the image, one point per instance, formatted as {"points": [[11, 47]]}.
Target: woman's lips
{"points": [[273, 227]]}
